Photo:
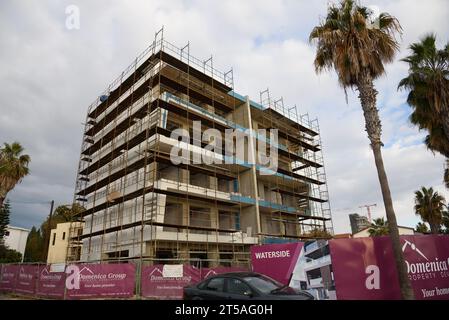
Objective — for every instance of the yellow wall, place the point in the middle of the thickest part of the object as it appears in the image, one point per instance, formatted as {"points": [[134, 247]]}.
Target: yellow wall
{"points": [[364, 233], [59, 241]]}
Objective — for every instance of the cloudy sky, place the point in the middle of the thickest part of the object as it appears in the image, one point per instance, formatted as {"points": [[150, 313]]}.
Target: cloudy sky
{"points": [[49, 74]]}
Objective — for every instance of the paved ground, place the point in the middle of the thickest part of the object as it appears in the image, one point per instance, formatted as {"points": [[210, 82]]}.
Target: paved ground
{"points": [[6, 296]]}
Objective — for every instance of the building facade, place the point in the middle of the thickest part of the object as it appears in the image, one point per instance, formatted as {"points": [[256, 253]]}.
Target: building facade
{"points": [[16, 239], [139, 203], [60, 245], [402, 232], [358, 222]]}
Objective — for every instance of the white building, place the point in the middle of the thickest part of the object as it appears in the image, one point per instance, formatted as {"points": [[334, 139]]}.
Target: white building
{"points": [[402, 231], [313, 271], [16, 239]]}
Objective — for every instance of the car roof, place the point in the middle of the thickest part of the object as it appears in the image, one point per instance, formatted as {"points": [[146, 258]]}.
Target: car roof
{"points": [[239, 274]]}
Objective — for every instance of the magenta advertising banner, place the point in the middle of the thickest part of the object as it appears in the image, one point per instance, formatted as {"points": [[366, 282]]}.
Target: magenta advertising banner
{"points": [[26, 279], [9, 277], [156, 285], [276, 260], [100, 280], [208, 272], [50, 284], [364, 268]]}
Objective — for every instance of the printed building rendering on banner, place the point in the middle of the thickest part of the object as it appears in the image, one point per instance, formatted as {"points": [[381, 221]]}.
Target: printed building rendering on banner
{"points": [[313, 271], [364, 268], [303, 266]]}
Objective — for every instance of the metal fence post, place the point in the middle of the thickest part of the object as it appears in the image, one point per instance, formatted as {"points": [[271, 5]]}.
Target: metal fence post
{"points": [[14, 291], [138, 280], [64, 296], [36, 289]]}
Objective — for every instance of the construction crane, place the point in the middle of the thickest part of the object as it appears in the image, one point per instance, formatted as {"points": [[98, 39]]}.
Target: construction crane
{"points": [[368, 208]]}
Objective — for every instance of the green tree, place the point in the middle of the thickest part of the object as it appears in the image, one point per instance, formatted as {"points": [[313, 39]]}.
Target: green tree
{"points": [[4, 220], [9, 255], [63, 213], [445, 220], [429, 205], [13, 167], [428, 85], [379, 227], [421, 227], [34, 246], [356, 45], [318, 234], [6, 255]]}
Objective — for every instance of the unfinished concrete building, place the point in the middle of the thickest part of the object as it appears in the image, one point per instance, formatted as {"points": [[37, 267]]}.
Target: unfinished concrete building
{"points": [[140, 205]]}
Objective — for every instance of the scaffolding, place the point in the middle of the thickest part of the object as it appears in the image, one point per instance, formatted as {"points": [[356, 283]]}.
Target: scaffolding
{"points": [[140, 206]]}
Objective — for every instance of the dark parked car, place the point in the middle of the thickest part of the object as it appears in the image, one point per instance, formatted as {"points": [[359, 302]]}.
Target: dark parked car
{"points": [[242, 286]]}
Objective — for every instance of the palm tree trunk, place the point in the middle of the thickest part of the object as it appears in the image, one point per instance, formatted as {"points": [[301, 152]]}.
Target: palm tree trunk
{"points": [[446, 174], [434, 228], [367, 95], [2, 199], [406, 289], [446, 124]]}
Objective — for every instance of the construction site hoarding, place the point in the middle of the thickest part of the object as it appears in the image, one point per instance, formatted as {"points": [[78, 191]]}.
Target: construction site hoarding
{"points": [[364, 268], [100, 280], [276, 260], [50, 284], [162, 285], [8, 277], [26, 279]]}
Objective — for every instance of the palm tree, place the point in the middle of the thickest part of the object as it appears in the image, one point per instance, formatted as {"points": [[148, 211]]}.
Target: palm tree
{"points": [[446, 174], [421, 227], [379, 227], [356, 47], [445, 220], [13, 167], [428, 83], [429, 205]]}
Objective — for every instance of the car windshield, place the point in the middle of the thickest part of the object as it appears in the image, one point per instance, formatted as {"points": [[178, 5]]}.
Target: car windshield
{"points": [[263, 284]]}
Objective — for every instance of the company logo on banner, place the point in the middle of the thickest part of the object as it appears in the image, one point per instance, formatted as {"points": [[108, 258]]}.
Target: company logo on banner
{"points": [[50, 284], [427, 261], [9, 277], [26, 282], [100, 280], [364, 268], [276, 260], [167, 282]]}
